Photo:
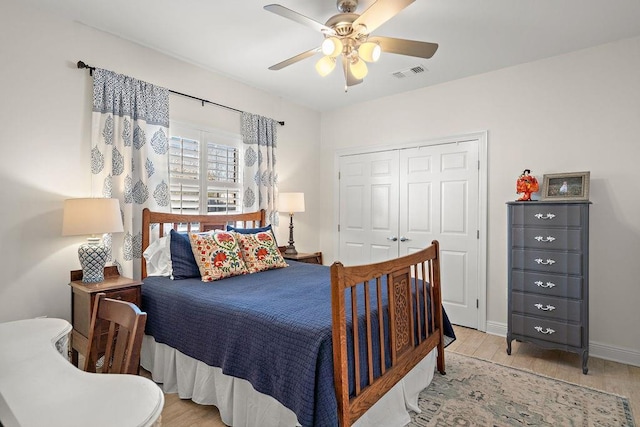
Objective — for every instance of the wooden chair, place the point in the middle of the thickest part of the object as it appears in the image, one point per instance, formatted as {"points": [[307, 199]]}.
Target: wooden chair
{"points": [[115, 331]]}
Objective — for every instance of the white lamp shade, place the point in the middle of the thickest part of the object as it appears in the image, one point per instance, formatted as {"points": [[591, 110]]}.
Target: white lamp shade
{"points": [[359, 69], [369, 51], [91, 216], [291, 202], [325, 65], [332, 46]]}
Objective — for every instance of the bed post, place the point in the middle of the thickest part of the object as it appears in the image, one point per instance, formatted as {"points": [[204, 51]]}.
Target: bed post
{"points": [[437, 296], [339, 338], [263, 218]]}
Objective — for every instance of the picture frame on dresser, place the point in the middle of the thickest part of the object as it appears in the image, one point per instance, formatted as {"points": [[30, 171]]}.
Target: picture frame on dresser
{"points": [[566, 186]]}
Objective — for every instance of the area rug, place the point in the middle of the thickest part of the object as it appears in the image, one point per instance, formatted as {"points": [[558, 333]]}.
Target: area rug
{"points": [[476, 392]]}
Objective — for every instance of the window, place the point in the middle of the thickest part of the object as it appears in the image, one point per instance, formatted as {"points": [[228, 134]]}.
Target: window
{"points": [[204, 170]]}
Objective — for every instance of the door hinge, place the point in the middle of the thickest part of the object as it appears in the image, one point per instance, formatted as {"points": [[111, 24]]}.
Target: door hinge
{"points": [[478, 234], [339, 175], [477, 303], [478, 164], [338, 228]]}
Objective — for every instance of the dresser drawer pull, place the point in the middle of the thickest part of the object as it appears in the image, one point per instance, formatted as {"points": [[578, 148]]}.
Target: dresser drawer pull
{"points": [[543, 262], [547, 331], [543, 216], [545, 239], [543, 308], [541, 284]]}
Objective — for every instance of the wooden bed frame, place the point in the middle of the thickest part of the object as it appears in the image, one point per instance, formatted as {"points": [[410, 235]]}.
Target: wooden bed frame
{"points": [[403, 295]]}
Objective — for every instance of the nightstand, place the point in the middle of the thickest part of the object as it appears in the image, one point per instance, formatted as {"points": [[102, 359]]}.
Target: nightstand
{"points": [[82, 299], [310, 258]]}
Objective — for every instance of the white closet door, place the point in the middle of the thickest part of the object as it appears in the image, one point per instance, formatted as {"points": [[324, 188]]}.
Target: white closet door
{"points": [[368, 207], [396, 202], [439, 201]]}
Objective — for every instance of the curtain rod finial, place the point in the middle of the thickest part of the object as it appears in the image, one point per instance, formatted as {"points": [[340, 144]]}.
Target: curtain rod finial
{"points": [[82, 64]]}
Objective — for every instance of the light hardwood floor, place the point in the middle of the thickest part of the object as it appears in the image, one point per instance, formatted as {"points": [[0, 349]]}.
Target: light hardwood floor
{"points": [[604, 375]]}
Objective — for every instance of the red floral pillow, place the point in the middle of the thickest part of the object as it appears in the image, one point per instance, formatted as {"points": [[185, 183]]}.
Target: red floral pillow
{"points": [[260, 251], [217, 255]]}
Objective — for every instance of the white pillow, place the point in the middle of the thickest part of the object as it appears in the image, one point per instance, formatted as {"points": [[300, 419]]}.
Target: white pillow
{"points": [[158, 256]]}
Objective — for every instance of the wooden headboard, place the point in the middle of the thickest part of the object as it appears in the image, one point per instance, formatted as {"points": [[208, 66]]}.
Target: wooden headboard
{"points": [[204, 222]]}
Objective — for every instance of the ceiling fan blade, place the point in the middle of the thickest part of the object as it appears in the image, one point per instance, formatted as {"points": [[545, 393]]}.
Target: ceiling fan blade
{"points": [[405, 47], [294, 59], [348, 76], [379, 13], [300, 19]]}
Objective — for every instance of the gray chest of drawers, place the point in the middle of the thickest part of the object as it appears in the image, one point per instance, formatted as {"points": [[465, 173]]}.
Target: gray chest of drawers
{"points": [[549, 275]]}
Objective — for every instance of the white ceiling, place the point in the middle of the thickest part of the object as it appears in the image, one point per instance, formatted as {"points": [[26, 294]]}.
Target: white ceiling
{"points": [[239, 39]]}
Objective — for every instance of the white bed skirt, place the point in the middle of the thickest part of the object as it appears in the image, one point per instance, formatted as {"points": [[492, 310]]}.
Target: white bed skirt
{"points": [[240, 405]]}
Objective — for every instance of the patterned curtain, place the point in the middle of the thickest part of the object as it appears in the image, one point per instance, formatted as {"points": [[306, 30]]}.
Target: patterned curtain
{"points": [[129, 156], [260, 177]]}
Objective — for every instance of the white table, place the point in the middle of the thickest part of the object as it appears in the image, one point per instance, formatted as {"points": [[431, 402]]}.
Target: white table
{"points": [[39, 387]]}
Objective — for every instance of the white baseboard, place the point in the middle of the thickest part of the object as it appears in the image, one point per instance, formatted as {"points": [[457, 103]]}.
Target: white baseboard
{"points": [[616, 354], [596, 349], [495, 328]]}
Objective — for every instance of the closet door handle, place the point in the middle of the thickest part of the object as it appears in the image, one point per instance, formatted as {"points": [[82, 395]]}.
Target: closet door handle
{"points": [[392, 238], [404, 239]]}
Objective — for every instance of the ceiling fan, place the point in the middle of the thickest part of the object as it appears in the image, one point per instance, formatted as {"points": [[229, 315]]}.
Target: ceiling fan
{"points": [[347, 34]]}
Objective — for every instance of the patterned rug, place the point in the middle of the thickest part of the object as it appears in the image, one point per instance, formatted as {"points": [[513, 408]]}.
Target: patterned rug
{"points": [[475, 392]]}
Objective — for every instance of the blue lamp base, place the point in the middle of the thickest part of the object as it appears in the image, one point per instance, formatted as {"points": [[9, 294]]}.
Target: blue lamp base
{"points": [[93, 257]]}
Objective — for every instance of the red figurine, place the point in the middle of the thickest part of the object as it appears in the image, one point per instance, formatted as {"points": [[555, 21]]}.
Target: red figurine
{"points": [[526, 184]]}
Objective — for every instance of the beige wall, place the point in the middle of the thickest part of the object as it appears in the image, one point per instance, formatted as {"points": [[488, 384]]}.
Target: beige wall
{"points": [[574, 112], [45, 105]]}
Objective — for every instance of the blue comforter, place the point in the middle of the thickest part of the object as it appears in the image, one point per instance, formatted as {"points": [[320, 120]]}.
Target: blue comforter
{"points": [[271, 328]]}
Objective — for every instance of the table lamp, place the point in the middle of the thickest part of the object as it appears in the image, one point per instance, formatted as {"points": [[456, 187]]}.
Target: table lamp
{"points": [[291, 202], [93, 216]]}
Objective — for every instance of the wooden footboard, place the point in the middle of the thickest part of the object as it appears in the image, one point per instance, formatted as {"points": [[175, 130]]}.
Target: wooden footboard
{"points": [[408, 339]]}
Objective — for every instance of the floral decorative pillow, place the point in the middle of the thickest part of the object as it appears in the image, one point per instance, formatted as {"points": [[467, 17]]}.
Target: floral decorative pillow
{"points": [[217, 255], [260, 251]]}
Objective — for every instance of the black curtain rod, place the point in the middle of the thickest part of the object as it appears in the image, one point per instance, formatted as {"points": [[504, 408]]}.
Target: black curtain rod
{"points": [[82, 65]]}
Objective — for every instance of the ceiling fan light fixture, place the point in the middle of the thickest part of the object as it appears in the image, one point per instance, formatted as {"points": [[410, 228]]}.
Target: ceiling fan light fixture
{"points": [[358, 69], [325, 65], [369, 51], [348, 35], [332, 46]]}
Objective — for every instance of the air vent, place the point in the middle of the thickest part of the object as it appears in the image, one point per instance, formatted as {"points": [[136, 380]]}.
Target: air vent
{"points": [[409, 72]]}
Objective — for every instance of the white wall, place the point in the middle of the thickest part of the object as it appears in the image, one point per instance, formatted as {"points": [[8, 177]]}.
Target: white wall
{"points": [[576, 112], [45, 107]]}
